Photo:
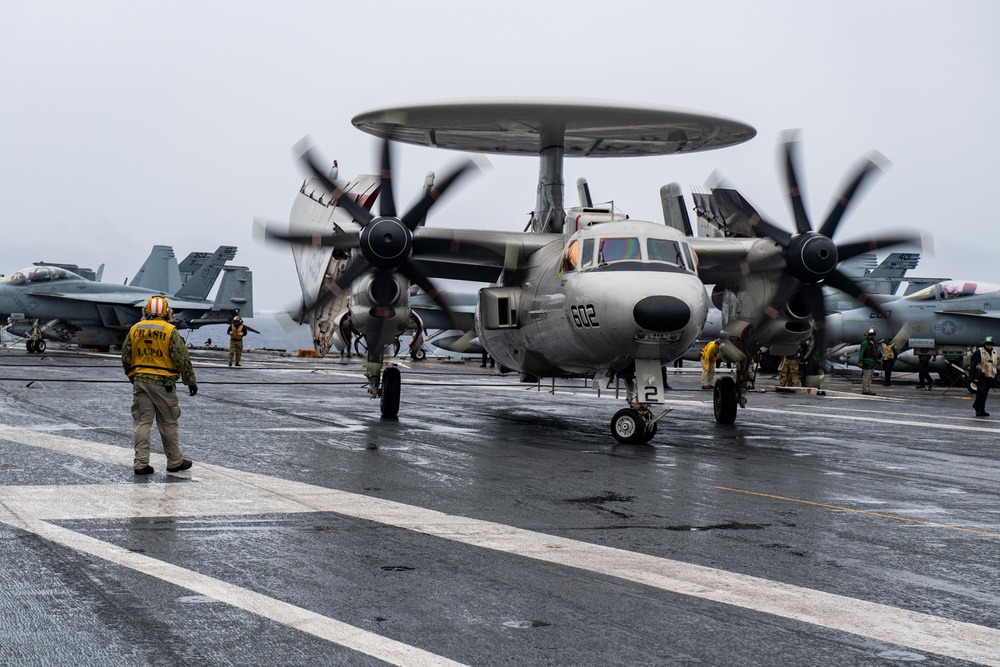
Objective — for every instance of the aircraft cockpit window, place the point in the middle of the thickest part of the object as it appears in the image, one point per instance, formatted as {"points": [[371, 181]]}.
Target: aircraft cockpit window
{"points": [[663, 250], [38, 274], [588, 254], [956, 288], [618, 250], [571, 258]]}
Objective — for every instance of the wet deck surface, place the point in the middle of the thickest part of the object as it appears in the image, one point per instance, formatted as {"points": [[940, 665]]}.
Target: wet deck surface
{"points": [[492, 524]]}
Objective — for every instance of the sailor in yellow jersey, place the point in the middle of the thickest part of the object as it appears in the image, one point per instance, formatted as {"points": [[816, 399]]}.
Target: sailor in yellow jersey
{"points": [[154, 356]]}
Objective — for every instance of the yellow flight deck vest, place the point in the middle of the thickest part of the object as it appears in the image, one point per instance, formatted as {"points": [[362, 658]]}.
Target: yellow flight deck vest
{"points": [[239, 331], [151, 348]]}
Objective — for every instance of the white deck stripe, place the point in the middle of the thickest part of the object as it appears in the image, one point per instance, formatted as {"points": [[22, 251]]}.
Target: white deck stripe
{"points": [[383, 648], [255, 494]]}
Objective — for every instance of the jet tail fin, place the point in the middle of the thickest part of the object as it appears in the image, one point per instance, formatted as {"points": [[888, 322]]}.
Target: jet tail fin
{"points": [[159, 271], [674, 210], [204, 272], [236, 291]]}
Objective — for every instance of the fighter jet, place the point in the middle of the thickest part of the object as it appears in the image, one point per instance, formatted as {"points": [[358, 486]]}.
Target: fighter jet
{"points": [[50, 302]]}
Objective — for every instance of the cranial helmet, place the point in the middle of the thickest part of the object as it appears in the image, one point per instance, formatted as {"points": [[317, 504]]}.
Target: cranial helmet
{"points": [[157, 306], [988, 339], [870, 332]]}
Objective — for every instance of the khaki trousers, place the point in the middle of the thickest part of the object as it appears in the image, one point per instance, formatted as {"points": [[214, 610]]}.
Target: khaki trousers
{"points": [[708, 376], [235, 350], [149, 402]]}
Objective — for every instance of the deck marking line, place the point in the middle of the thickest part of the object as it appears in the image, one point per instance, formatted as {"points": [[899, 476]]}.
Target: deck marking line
{"points": [[880, 420], [331, 630], [914, 630], [857, 511]]}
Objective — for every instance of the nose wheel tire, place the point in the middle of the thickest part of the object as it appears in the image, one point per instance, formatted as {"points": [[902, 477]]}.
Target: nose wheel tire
{"points": [[390, 392], [724, 400], [628, 427]]}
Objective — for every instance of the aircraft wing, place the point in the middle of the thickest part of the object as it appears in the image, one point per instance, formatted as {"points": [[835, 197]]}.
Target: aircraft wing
{"points": [[476, 255], [127, 299]]}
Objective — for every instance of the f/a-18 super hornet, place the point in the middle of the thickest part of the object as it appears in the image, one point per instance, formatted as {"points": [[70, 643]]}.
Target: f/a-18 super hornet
{"points": [[51, 302], [587, 292]]}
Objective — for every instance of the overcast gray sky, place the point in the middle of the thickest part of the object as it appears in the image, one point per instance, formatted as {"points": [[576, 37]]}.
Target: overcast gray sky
{"points": [[129, 124]]}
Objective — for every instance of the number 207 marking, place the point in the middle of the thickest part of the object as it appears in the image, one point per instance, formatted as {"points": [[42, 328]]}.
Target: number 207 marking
{"points": [[584, 317]]}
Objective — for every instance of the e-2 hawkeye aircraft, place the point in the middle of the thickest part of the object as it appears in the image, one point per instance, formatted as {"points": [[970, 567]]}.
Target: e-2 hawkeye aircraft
{"points": [[587, 292], [50, 302]]}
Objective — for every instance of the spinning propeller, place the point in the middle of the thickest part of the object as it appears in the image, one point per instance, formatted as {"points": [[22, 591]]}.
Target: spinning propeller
{"points": [[384, 244], [808, 259]]}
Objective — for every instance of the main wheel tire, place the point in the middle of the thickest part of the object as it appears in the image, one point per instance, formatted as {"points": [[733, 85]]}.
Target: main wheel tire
{"points": [[30, 346], [724, 400], [391, 388], [39, 347], [628, 426]]}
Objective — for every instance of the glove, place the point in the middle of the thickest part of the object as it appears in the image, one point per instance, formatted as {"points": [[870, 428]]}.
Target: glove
{"points": [[193, 389]]}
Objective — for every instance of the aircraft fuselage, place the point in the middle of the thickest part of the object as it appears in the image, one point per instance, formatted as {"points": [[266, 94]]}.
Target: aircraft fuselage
{"points": [[612, 294]]}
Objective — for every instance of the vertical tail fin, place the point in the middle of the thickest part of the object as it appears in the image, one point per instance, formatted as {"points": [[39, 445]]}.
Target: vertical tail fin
{"points": [[159, 271], [205, 272], [235, 291], [674, 210]]}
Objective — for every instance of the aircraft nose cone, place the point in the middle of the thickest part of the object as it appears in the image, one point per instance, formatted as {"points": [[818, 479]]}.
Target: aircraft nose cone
{"points": [[661, 313]]}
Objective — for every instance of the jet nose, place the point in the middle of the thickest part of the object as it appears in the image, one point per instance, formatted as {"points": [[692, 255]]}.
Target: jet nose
{"points": [[661, 313]]}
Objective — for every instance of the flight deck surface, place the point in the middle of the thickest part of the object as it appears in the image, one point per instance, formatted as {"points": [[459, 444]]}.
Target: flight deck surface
{"points": [[492, 523]]}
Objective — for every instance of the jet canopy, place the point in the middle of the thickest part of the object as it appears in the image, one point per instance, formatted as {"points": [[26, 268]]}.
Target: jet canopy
{"points": [[39, 274], [952, 289]]}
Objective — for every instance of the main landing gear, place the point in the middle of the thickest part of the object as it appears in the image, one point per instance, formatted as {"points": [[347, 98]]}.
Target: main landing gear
{"points": [[35, 346], [731, 393]]}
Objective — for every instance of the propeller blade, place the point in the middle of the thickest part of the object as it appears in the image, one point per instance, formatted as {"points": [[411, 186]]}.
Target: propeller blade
{"points": [[794, 192], [342, 241], [813, 295], [419, 211], [829, 226], [313, 164], [775, 262], [839, 280], [373, 336], [418, 276], [387, 202], [787, 288], [846, 251], [351, 272], [773, 232]]}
